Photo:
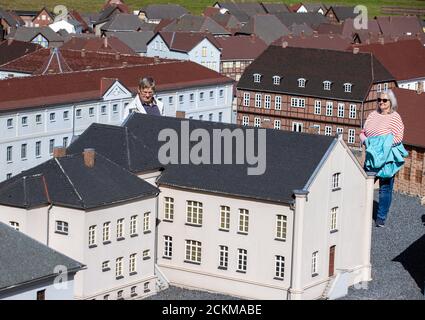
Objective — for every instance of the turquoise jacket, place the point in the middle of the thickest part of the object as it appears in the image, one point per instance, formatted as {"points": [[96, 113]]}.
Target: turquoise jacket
{"points": [[382, 157]]}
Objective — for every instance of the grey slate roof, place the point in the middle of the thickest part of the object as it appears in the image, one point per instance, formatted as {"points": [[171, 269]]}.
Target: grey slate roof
{"points": [[10, 19], [265, 26], [343, 12], [27, 34], [197, 24], [316, 66], [301, 29], [291, 158], [68, 182], [313, 20], [242, 10], [135, 40], [23, 259], [164, 11], [123, 22], [275, 7]]}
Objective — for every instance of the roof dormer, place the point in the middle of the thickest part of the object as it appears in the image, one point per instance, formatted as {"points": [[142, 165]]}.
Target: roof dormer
{"points": [[327, 85], [276, 80], [301, 82], [257, 77], [347, 87]]}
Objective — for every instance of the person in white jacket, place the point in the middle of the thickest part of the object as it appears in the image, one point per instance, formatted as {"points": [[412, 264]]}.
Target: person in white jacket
{"points": [[145, 101]]}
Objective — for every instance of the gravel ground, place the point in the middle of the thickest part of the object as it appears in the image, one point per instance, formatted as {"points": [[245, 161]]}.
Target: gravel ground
{"points": [[398, 259]]}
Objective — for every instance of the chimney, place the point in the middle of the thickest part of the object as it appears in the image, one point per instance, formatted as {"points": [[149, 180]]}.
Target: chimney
{"points": [[124, 63], [420, 87], [356, 50], [59, 152], [89, 156], [156, 60], [180, 114], [105, 42], [252, 37], [83, 53], [284, 44]]}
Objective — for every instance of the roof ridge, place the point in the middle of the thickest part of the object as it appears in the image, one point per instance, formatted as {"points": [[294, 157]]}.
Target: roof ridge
{"points": [[70, 181]]}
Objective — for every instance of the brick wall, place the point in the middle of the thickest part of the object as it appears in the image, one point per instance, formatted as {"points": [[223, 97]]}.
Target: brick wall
{"points": [[411, 178]]}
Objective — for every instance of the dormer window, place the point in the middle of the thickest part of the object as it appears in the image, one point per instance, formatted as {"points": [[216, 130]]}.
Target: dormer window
{"points": [[301, 83], [326, 85], [347, 87], [276, 80], [257, 77]]}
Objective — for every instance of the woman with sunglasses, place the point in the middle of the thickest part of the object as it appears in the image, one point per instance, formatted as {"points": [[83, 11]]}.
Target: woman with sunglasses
{"points": [[383, 121]]}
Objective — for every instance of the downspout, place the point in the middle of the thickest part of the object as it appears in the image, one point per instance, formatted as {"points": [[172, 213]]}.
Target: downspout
{"points": [[46, 190], [292, 207], [73, 122]]}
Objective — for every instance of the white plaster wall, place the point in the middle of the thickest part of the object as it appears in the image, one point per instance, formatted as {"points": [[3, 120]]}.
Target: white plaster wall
{"points": [[30, 292], [351, 235], [260, 243]]}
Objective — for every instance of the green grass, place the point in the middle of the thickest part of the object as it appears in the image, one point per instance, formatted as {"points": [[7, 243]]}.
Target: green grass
{"points": [[196, 7]]}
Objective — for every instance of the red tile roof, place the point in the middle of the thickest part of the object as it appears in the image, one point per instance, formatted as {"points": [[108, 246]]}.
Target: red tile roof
{"points": [[114, 45], [404, 59], [41, 61], [241, 47], [45, 90], [13, 49], [186, 41], [318, 41], [411, 107]]}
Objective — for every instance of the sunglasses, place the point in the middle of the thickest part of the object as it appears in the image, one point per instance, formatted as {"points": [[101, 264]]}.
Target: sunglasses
{"points": [[383, 100]]}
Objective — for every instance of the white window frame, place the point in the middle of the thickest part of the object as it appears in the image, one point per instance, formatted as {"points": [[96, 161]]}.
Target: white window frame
{"points": [[106, 266], [14, 225], [245, 121], [297, 126], [351, 136], [258, 98], [317, 107], [257, 77], [314, 263], [61, 227], [298, 102], [193, 251], [277, 124], [9, 154], [243, 225], [334, 219], [336, 181], [92, 235], [341, 107], [133, 225], [301, 83], [224, 218], [194, 211], [146, 254], [106, 232], [168, 208], [281, 227], [379, 87], [329, 108], [347, 87], [132, 263], [276, 80], [168, 247], [223, 261], [242, 260], [38, 149], [279, 267], [327, 85], [340, 130], [257, 122], [246, 99], [385, 87], [9, 123], [119, 267], [278, 103], [353, 111], [120, 228], [146, 222], [267, 101], [24, 153], [328, 130]]}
